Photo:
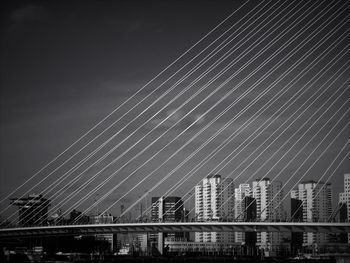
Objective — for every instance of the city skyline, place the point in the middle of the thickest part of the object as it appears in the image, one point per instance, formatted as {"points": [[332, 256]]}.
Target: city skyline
{"points": [[64, 71], [310, 203], [211, 196]]}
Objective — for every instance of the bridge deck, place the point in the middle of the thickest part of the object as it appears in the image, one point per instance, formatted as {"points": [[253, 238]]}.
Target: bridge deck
{"points": [[176, 227]]}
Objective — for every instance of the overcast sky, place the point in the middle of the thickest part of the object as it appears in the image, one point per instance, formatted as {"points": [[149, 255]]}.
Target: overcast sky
{"points": [[65, 65]]}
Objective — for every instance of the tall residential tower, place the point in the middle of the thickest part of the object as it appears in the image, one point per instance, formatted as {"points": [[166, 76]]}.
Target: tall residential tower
{"points": [[241, 192], [214, 201], [344, 198], [268, 195], [316, 200]]}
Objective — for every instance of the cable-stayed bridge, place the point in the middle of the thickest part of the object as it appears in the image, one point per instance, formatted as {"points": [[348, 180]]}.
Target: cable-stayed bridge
{"points": [[319, 227], [267, 95]]}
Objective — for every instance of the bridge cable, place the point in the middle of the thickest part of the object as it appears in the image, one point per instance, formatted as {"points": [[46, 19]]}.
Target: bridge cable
{"points": [[305, 160], [164, 147], [127, 100], [274, 140], [297, 140], [231, 136], [305, 103], [99, 160], [201, 63], [331, 175]]}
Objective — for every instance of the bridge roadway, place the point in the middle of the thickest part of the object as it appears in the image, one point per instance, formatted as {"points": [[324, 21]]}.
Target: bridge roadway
{"points": [[175, 227]]}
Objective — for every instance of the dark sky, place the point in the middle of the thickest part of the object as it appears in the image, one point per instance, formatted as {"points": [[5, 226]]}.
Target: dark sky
{"points": [[67, 64]]}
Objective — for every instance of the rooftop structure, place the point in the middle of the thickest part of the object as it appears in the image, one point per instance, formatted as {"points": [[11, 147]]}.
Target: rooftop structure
{"points": [[33, 209]]}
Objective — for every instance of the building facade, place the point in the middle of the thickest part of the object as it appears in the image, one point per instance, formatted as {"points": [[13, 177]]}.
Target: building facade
{"points": [[104, 218], [241, 192], [33, 210], [268, 195], [214, 201], [344, 199], [316, 200], [168, 209], [203, 248]]}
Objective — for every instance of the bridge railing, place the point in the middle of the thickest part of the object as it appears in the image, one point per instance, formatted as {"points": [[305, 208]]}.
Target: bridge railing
{"points": [[5, 225]]}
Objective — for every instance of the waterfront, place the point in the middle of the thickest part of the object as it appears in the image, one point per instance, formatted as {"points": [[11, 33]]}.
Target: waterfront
{"points": [[65, 258]]}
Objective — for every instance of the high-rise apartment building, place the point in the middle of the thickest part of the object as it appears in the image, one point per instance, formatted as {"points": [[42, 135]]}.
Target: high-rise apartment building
{"points": [[249, 215], [168, 209], [241, 192], [268, 195], [316, 200], [344, 198], [214, 201]]}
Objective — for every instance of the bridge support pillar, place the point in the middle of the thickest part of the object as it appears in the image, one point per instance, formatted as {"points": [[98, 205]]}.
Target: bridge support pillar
{"points": [[161, 242]]}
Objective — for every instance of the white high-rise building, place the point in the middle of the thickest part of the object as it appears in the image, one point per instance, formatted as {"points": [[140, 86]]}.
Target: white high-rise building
{"points": [[268, 197], [214, 200], [345, 197], [241, 192], [316, 200]]}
